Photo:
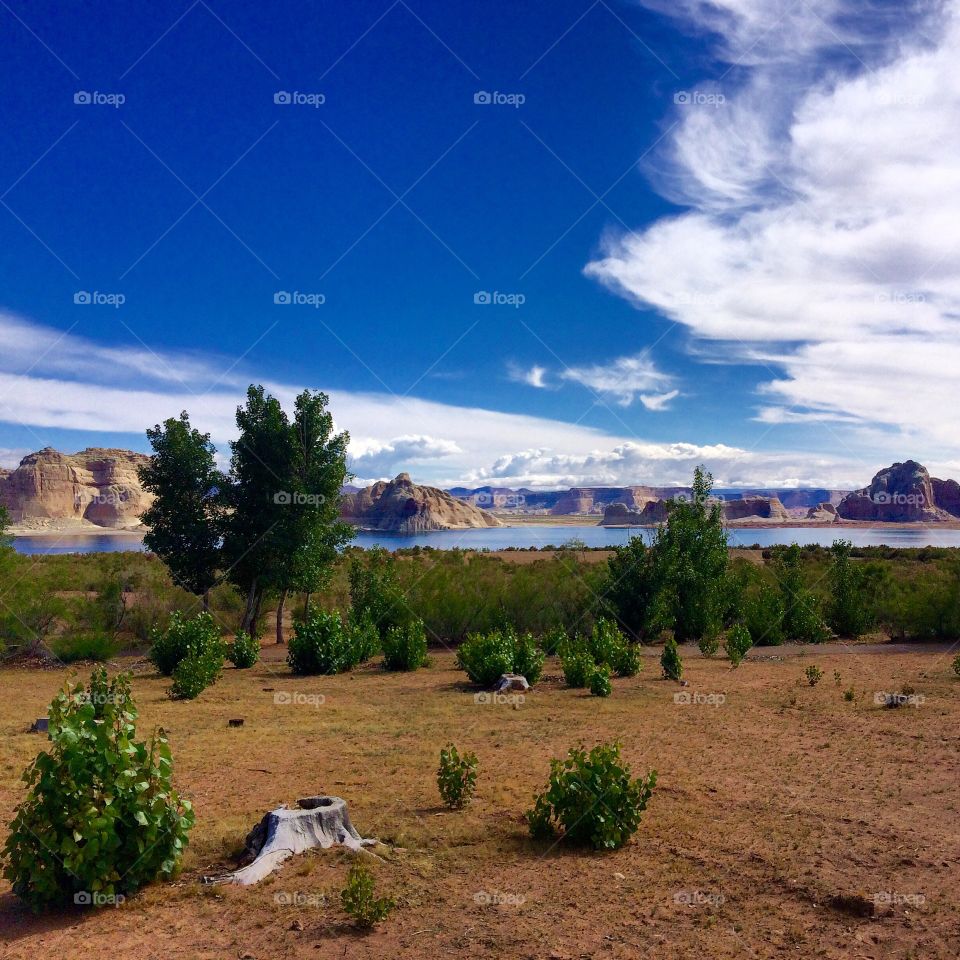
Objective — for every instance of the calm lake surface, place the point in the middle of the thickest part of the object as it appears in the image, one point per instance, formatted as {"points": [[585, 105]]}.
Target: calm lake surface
{"points": [[498, 538]]}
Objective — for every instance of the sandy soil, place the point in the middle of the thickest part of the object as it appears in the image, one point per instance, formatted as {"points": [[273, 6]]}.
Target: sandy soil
{"points": [[770, 806]]}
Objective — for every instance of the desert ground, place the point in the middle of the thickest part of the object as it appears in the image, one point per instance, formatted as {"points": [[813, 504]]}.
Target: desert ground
{"points": [[787, 822]]}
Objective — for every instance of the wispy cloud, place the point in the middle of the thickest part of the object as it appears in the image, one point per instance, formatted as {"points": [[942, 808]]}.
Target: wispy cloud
{"points": [[622, 379]]}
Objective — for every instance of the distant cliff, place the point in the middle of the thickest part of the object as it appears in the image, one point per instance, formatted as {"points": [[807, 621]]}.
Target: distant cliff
{"points": [[402, 506], [903, 492], [745, 509], [96, 487]]}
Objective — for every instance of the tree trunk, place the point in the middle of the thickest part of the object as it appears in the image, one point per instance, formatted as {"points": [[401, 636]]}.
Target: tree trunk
{"points": [[206, 601], [306, 605], [255, 616], [280, 603], [247, 619]]}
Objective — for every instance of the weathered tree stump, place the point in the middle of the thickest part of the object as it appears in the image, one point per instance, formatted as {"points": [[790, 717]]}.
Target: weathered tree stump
{"points": [[317, 822]]}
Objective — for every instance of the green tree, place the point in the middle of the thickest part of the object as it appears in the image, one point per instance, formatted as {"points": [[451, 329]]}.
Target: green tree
{"points": [[802, 619], [635, 592], [186, 516], [850, 610]]}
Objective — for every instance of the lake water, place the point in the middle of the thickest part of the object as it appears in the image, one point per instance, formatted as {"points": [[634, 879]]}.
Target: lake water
{"points": [[498, 538]]}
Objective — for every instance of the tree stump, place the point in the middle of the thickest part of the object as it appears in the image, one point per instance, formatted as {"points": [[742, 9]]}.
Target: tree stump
{"points": [[317, 822]]}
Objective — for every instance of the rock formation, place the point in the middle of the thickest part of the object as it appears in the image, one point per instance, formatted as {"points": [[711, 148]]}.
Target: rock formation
{"points": [[745, 509], [755, 508], [903, 492], [401, 506], [97, 486], [826, 512]]}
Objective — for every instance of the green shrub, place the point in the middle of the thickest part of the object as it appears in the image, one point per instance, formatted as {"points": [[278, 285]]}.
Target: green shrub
{"points": [[364, 638], [486, 657], [101, 818], [375, 594], [456, 777], [591, 799], [244, 652], [85, 646], [577, 664], [553, 641], [359, 901], [183, 638], [600, 681], [737, 644], [405, 646], [670, 661], [607, 645], [763, 613], [848, 695], [320, 645], [195, 673], [627, 662], [813, 674], [709, 644]]}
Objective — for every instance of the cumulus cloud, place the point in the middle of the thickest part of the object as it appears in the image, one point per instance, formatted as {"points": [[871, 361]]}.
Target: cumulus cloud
{"points": [[531, 376], [621, 379], [382, 460], [825, 214]]}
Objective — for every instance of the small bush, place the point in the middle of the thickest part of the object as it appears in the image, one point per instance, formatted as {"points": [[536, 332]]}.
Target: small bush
{"points": [[244, 652], [101, 818], [364, 638], [670, 661], [405, 646], [956, 664], [456, 777], [87, 646], [183, 638], [553, 641], [359, 901], [848, 695], [813, 674], [600, 681], [195, 673], [577, 664], [321, 645], [591, 799], [486, 657], [737, 644], [709, 644]]}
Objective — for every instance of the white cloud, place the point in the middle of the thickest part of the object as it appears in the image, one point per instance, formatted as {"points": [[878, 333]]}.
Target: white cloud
{"points": [[621, 379], [377, 460], [658, 401], [532, 377], [824, 228]]}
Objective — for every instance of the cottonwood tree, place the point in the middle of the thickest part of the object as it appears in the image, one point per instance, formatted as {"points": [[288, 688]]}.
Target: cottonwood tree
{"points": [[186, 517]]}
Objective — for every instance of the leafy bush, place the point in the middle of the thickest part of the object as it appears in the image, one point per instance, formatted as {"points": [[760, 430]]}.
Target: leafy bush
{"points": [[851, 609], [737, 644], [195, 673], [577, 664], [763, 613], [553, 641], [405, 646], [183, 638], [244, 652], [375, 594], [600, 681], [592, 799], [320, 645], [486, 657], [709, 644], [359, 901], [813, 674], [670, 661], [85, 646], [848, 695], [101, 818], [456, 777], [607, 645], [364, 638]]}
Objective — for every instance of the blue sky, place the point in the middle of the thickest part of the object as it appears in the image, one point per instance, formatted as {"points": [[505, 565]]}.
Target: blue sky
{"points": [[704, 234]]}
